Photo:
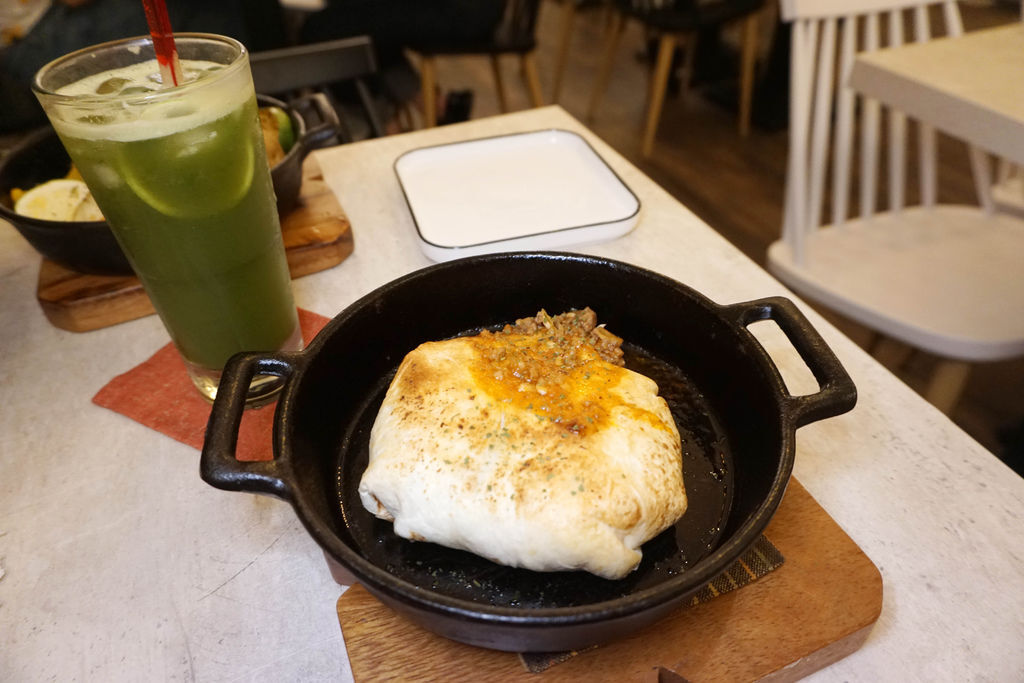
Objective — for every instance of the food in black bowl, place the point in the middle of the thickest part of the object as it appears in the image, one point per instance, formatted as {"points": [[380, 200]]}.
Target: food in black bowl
{"points": [[73, 234], [297, 142], [87, 246]]}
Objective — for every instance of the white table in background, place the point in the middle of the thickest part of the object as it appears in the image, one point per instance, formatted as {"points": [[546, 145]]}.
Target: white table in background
{"points": [[970, 86], [119, 563]]}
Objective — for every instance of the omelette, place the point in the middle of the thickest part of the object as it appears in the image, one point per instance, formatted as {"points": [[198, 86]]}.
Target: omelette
{"points": [[532, 446]]}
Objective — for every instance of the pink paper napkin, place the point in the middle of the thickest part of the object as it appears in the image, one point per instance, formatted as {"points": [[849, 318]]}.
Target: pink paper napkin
{"points": [[159, 394]]}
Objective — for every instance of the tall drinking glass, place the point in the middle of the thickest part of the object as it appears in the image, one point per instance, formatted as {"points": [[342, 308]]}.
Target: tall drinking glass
{"points": [[181, 176]]}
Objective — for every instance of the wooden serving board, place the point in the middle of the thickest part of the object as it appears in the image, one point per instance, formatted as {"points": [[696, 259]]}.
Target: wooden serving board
{"points": [[317, 235], [815, 609]]}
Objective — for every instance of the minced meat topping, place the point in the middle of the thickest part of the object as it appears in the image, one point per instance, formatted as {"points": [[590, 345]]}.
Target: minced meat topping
{"points": [[564, 335], [558, 368]]}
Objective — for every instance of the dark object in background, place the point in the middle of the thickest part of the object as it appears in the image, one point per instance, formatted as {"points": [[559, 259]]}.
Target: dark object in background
{"points": [[393, 26], [505, 27], [1012, 441], [770, 110], [65, 28], [328, 69], [714, 76], [458, 106]]}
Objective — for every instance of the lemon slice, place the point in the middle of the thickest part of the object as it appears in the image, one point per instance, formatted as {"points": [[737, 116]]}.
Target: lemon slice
{"points": [[59, 200], [87, 210], [195, 173], [285, 130]]}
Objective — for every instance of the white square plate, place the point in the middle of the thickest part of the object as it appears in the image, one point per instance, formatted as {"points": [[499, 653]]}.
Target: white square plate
{"points": [[544, 189]]}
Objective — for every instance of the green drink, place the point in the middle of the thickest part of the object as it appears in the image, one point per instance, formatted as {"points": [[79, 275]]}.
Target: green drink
{"points": [[181, 177]]}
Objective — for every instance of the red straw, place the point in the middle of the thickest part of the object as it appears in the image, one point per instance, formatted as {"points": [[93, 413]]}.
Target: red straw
{"points": [[163, 40]]}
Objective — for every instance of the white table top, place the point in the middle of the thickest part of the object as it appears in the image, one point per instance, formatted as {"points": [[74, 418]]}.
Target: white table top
{"points": [[970, 86], [118, 563]]}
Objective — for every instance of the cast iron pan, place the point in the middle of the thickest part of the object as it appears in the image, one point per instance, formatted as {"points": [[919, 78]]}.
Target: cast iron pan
{"points": [[735, 416]]}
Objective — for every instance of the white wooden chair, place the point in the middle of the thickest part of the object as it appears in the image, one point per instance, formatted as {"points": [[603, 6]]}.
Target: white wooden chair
{"points": [[1008, 192], [941, 278]]}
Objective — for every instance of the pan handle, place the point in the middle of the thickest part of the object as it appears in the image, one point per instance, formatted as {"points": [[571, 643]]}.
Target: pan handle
{"points": [[218, 465], [317, 136], [836, 392]]}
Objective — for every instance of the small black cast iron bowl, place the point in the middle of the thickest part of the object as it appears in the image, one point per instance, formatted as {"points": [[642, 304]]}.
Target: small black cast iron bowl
{"points": [[85, 246], [90, 246], [287, 173], [734, 413]]}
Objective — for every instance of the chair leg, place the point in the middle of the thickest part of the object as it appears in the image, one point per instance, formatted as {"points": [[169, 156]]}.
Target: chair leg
{"points": [[614, 35], [531, 78], [890, 353], [568, 16], [747, 61], [659, 81], [689, 56], [428, 89], [499, 85], [1003, 170], [608, 12], [405, 118], [947, 384], [982, 170]]}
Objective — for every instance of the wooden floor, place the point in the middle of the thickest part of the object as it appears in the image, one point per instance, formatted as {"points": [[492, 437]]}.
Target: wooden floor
{"points": [[735, 184]]}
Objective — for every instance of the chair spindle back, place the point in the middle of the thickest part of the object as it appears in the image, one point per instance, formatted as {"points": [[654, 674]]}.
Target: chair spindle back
{"points": [[826, 115]]}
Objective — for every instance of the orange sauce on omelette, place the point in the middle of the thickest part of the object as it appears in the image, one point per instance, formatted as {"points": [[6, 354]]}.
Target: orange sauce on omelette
{"points": [[559, 379]]}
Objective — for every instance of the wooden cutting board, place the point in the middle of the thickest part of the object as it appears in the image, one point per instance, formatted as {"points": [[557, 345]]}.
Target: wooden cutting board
{"points": [[317, 236], [815, 609]]}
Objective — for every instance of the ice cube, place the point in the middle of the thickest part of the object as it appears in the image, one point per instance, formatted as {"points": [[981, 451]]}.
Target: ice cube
{"points": [[193, 141], [137, 90], [169, 110], [179, 109], [111, 86], [191, 75], [96, 119], [106, 175]]}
